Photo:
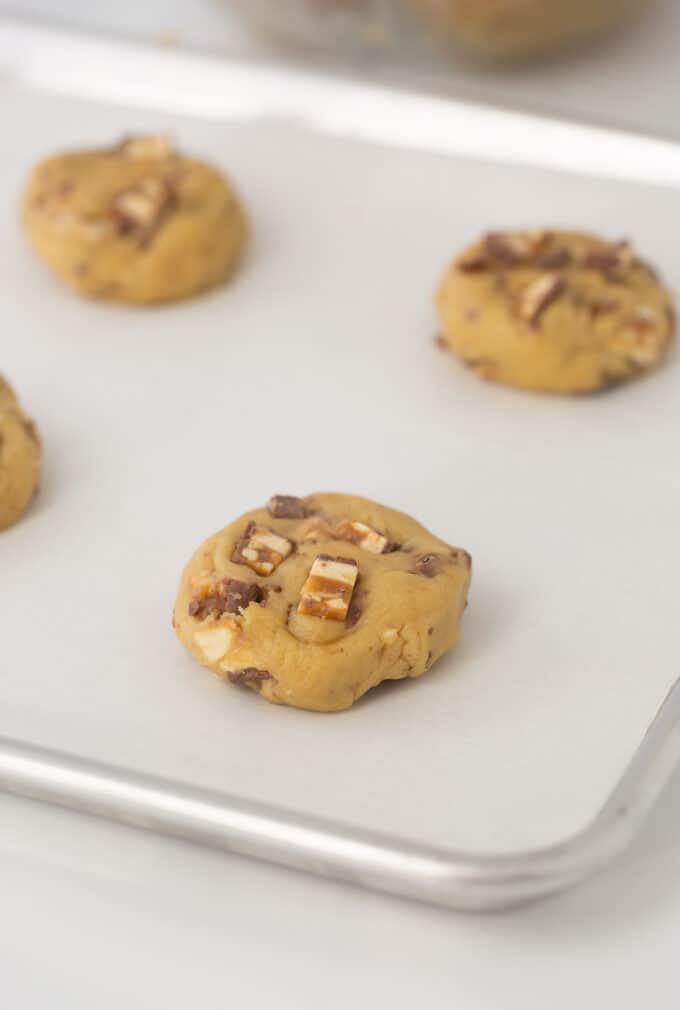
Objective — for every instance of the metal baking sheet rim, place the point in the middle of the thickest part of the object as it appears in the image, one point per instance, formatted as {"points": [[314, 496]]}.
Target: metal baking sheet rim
{"points": [[67, 64]]}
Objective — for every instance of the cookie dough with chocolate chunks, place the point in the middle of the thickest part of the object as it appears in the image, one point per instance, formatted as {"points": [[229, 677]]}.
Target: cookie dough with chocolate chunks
{"points": [[313, 601], [556, 311], [19, 458], [136, 222]]}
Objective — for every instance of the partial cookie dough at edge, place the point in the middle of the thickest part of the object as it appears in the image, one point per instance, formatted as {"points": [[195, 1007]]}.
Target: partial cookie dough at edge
{"points": [[20, 454]]}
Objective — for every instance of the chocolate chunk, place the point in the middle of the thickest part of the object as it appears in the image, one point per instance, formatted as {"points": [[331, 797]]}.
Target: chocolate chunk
{"points": [[553, 260], [391, 546], [473, 263], [428, 565], [286, 506], [249, 675], [503, 249], [353, 615], [229, 597]]}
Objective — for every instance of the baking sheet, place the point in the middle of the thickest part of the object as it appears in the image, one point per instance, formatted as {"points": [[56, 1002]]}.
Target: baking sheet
{"points": [[154, 439]]}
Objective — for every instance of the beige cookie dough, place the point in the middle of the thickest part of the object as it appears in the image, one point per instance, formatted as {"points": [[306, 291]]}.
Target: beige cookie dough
{"points": [[510, 29], [557, 311], [19, 458], [135, 222], [313, 601]]}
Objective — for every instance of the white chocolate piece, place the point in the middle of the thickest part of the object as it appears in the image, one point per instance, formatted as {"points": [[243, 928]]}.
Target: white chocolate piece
{"points": [[214, 643]]}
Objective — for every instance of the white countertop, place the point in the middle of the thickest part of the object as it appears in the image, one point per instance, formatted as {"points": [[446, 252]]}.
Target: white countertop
{"points": [[97, 916]]}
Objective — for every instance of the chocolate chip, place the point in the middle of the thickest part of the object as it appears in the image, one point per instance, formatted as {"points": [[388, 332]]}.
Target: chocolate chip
{"points": [[428, 565], [229, 597], [286, 506], [249, 675]]}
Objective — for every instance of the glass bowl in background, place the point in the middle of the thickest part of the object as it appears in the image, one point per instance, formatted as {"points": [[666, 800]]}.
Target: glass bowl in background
{"points": [[493, 30]]}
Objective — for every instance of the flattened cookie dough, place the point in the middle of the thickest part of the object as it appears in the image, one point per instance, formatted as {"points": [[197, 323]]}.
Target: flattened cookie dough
{"points": [[313, 601], [557, 311], [19, 457], [136, 222]]}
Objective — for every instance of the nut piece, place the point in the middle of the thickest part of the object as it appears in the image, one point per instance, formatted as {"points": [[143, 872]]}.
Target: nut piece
{"points": [[327, 593], [214, 643], [538, 296], [261, 549], [139, 209], [150, 146], [286, 506], [363, 536]]}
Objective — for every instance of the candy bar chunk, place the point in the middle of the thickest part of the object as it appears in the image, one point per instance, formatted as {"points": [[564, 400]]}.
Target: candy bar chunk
{"points": [[140, 208], [327, 593], [539, 296], [363, 536], [261, 549]]}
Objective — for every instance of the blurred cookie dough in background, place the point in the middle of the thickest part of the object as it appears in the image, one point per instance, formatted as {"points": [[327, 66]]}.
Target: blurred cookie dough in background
{"points": [[134, 222], [515, 29], [19, 457], [554, 311]]}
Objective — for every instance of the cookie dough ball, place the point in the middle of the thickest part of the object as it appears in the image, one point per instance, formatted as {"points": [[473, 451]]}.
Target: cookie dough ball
{"points": [[561, 312], [137, 222], [19, 458], [510, 29], [313, 601]]}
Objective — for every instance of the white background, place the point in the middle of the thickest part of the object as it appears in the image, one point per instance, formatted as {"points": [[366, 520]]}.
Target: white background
{"points": [[95, 915]]}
